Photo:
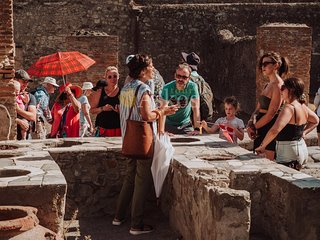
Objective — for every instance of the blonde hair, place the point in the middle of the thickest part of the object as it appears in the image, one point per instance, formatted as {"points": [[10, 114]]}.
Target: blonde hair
{"points": [[15, 84], [111, 68]]}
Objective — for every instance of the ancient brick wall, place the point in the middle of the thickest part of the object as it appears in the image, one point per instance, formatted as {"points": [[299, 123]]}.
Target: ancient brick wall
{"points": [[90, 44], [7, 98], [290, 40], [222, 34], [42, 27]]}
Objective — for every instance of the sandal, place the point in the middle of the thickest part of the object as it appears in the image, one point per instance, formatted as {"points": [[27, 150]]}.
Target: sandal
{"points": [[144, 229]]}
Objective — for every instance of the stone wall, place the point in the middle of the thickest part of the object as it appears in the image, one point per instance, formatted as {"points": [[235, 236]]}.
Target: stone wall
{"points": [[7, 98], [290, 40], [203, 207], [52, 22], [94, 178], [223, 34], [90, 44], [284, 198]]}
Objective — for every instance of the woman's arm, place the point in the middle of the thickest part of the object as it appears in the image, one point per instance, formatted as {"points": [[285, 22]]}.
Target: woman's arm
{"points": [[274, 106], [313, 120], [152, 115], [282, 120], [85, 110], [94, 102]]}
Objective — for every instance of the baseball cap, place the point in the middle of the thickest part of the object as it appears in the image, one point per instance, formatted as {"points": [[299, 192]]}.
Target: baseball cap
{"points": [[51, 81], [22, 74]]}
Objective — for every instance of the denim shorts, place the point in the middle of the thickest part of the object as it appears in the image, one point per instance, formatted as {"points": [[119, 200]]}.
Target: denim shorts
{"points": [[288, 151]]}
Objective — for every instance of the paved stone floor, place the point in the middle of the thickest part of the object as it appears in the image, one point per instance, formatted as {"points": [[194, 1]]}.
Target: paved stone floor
{"points": [[100, 228]]}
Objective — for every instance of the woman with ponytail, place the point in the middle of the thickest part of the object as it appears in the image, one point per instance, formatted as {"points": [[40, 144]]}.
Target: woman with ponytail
{"points": [[293, 123], [274, 67]]}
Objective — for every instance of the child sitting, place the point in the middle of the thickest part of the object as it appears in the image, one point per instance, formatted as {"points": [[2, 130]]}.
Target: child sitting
{"points": [[231, 127], [22, 123]]}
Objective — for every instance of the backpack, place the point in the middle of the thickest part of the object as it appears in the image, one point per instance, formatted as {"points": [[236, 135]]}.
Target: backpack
{"points": [[206, 98]]}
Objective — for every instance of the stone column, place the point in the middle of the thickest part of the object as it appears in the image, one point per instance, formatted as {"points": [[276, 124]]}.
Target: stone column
{"points": [[293, 41], [7, 97]]}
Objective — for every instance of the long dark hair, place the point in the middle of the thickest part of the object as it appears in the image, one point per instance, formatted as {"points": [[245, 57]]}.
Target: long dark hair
{"points": [[137, 64], [276, 58]]}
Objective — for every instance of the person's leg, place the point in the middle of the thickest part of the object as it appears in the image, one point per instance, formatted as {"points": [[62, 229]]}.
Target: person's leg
{"points": [[143, 181], [126, 190]]}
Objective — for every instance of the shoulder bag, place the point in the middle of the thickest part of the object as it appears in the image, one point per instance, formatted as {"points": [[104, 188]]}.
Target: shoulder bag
{"points": [[138, 138]]}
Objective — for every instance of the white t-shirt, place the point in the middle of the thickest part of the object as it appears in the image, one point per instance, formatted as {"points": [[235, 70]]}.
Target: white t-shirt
{"points": [[83, 100], [236, 122]]}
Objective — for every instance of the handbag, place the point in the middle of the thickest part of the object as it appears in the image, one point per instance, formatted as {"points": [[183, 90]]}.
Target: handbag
{"points": [[138, 138]]}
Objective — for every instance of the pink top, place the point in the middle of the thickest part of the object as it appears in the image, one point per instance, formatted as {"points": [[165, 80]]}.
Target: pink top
{"points": [[20, 102]]}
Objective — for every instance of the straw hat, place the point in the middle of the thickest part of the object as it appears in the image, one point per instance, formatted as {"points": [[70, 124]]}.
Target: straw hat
{"points": [[51, 81]]}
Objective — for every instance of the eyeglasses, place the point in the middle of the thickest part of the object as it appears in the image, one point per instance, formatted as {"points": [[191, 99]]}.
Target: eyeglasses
{"points": [[264, 64], [283, 87], [181, 76], [114, 76]]}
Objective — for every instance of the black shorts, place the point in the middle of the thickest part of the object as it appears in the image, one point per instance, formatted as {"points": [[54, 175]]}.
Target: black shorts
{"points": [[262, 132]]}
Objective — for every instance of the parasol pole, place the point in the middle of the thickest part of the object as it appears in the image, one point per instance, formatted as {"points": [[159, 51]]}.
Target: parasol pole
{"points": [[64, 79]]}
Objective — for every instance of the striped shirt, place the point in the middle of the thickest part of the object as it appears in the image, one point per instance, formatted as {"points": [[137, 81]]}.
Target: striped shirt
{"points": [[126, 100]]}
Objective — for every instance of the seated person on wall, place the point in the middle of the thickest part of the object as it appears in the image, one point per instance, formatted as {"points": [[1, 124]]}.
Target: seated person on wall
{"points": [[29, 112], [184, 93], [22, 123]]}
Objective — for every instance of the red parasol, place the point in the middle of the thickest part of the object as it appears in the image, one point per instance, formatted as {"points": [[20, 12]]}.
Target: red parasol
{"points": [[60, 64]]}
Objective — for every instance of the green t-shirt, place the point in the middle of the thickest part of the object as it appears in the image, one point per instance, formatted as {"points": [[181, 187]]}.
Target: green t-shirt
{"points": [[182, 99]]}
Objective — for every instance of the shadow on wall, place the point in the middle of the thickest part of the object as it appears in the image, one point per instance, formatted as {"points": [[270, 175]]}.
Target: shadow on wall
{"points": [[230, 63]]}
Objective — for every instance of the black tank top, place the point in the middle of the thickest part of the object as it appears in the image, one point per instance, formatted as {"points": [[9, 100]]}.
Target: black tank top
{"points": [[108, 119], [291, 132]]}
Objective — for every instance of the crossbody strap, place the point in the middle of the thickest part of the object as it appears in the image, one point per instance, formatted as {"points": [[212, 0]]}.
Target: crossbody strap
{"points": [[134, 100]]}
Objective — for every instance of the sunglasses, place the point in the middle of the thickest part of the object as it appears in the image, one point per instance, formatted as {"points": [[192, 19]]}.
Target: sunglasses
{"points": [[181, 76], [264, 64], [283, 87], [114, 76]]}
